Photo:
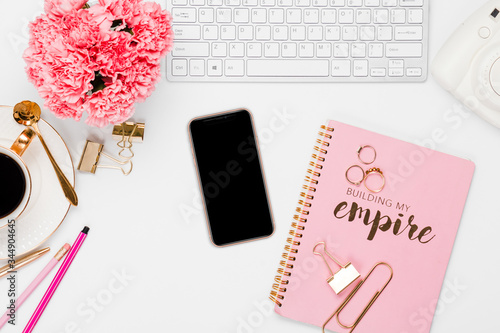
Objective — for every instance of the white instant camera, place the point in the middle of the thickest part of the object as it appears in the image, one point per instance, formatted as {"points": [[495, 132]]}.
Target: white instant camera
{"points": [[468, 65]]}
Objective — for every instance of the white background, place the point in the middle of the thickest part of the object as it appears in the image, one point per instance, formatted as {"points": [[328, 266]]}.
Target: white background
{"points": [[178, 281]]}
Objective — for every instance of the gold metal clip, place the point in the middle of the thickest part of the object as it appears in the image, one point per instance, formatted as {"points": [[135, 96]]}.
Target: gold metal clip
{"points": [[127, 133], [91, 156], [343, 277], [337, 312]]}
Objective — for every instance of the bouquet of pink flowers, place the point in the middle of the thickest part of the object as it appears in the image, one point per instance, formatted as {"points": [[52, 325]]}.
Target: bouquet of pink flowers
{"points": [[100, 58]]}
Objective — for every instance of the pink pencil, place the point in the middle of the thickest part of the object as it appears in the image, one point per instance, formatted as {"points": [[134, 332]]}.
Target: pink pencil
{"points": [[52, 263], [57, 279]]}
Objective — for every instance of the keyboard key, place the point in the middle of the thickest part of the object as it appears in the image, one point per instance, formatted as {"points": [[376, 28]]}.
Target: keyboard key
{"points": [[197, 67], [288, 50], [360, 68], [332, 33], [271, 50], [306, 50], [411, 3], [232, 2], [187, 32], [236, 49], [337, 3], [219, 50], [302, 3], [285, 3], [346, 16], [259, 15], [287, 68], [228, 32], [214, 2], [179, 67], [355, 3], [276, 16], [320, 3], [328, 15], [350, 33], [358, 50], [396, 72], [367, 33], [254, 50], [311, 16], [298, 33], [341, 68], [214, 67], [196, 2], [372, 3], [234, 67], [241, 15], [263, 32], [398, 16], [190, 49], [224, 15], [179, 2], [293, 16], [184, 15], [381, 16], [389, 3], [363, 16], [414, 72], [210, 32], [375, 50], [404, 50], [245, 32], [315, 32], [396, 63], [341, 50], [280, 32], [409, 33], [206, 15], [384, 33], [268, 3], [250, 3], [324, 50], [415, 16], [378, 72]]}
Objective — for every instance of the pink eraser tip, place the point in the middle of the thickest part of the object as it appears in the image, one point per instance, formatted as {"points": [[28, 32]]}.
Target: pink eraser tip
{"points": [[67, 246]]}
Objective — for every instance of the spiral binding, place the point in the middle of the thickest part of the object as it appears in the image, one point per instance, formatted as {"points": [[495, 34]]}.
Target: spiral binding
{"points": [[300, 219]]}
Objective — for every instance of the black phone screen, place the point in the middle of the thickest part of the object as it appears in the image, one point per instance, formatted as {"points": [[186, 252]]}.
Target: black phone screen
{"points": [[231, 177]]}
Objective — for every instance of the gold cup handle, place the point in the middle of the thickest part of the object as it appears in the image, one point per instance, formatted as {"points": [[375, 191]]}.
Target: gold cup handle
{"points": [[23, 141]]}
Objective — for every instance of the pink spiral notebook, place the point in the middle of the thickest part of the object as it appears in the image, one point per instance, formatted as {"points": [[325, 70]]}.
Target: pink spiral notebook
{"points": [[410, 224]]}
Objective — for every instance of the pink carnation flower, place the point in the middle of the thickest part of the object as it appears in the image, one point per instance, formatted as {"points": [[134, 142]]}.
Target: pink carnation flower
{"points": [[98, 60]]}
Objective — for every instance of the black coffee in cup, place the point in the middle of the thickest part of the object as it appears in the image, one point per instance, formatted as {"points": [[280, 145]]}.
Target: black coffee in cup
{"points": [[12, 185]]}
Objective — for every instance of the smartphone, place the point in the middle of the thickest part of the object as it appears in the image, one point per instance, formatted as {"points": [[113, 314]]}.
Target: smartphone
{"points": [[231, 177]]}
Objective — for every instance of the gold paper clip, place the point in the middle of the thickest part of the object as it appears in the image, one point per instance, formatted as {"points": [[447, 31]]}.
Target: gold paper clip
{"points": [[343, 278], [351, 295], [127, 133], [91, 156]]}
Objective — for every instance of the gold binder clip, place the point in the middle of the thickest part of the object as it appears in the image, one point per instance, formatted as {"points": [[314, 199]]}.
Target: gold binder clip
{"points": [[343, 277], [337, 312], [127, 133], [91, 156]]}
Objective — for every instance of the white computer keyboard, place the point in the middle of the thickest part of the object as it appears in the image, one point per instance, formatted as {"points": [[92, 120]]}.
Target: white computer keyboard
{"points": [[299, 40]]}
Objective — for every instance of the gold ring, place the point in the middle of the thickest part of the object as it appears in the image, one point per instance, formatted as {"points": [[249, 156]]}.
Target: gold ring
{"points": [[360, 149], [375, 171], [357, 183]]}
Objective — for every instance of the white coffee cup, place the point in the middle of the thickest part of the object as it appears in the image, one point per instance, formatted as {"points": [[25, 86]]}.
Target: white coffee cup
{"points": [[15, 174]]}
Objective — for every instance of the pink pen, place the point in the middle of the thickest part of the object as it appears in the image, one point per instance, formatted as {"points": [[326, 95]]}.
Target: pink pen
{"points": [[33, 285], [55, 282]]}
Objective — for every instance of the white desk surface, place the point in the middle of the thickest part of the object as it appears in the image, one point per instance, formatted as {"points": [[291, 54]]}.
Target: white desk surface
{"points": [[179, 282]]}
